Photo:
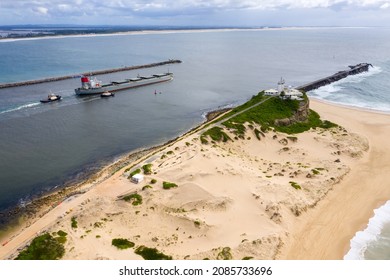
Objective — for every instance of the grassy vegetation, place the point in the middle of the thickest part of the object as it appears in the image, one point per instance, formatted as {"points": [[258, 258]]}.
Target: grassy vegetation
{"points": [[258, 133], [98, 224], [225, 254], [238, 128], [62, 233], [43, 247], [255, 99], [313, 121], [295, 185], [203, 139], [122, 243], [147, 169], [137, 171], [127, 169], [147, 187], [168, 185], [215, 133], [151, 254], [134, 198], [292, 138], [266, 113], [73, 222], [315, 171], [61, 238], [272, 109]]}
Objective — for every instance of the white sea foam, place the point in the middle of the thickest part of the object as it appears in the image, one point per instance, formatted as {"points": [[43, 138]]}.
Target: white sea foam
{"points": [[362, 239], [20, 107], [325, 91], [340, 92]]}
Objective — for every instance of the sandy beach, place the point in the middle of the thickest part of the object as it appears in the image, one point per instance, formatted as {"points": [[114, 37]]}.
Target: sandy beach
{"points": [[280, 197]]}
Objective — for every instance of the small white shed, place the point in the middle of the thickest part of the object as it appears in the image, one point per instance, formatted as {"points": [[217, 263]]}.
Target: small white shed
{"points": [[137, 178]]}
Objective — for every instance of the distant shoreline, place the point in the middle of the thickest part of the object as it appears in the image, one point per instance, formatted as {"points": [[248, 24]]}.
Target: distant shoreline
{"points": [[162, 31]]}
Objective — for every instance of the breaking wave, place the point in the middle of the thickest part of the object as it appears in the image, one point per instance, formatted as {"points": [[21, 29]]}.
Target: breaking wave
{"points": [[363, 239]]}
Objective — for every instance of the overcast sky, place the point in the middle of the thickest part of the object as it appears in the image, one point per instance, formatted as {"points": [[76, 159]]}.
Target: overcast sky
{"points": [[198, 12]]}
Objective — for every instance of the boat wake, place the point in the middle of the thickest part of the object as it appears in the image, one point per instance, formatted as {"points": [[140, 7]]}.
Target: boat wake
{"points": [[30, 105]]}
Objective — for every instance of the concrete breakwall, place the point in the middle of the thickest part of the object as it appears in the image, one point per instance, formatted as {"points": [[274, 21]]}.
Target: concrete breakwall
{"points": [[356, 69], [98, 72]]}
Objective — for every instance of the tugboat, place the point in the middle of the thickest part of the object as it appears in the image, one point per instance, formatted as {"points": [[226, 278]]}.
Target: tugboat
{"points": [[107, 94], [51, 98]]}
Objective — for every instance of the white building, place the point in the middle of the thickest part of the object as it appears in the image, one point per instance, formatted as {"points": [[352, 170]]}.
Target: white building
{"points": [[137, 178], [271, 92], [284, 92]]}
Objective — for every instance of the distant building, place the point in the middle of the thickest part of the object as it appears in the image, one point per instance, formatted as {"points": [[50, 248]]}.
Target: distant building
{"points": [[271, 92]]}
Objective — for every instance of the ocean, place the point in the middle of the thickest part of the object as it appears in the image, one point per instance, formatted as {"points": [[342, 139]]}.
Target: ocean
{"points": [[44, 146]]}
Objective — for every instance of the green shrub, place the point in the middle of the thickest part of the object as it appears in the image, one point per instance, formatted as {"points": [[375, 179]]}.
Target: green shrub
{"points": [[153, 181], [295, 185], [61, 239], [292, 138], [137, 171], [73, 222], [122, 243], [225, 254], [97, 224], [315, 171], [134, 198], [147, 168], [151, 254], [217, 134], [62, 233], [43, 247], [168, 185], [257, 133], [147, 187], [203, 139]]}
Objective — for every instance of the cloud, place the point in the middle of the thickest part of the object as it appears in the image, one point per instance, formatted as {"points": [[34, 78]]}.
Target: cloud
{"points": [[385, 6], [41, 10], [97, 11]]}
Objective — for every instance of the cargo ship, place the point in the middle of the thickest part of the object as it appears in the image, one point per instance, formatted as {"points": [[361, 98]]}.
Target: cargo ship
{"points": [[91, 85]]}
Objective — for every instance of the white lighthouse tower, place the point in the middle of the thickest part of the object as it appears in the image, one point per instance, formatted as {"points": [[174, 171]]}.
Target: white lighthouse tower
{"points": [[281, 85]]}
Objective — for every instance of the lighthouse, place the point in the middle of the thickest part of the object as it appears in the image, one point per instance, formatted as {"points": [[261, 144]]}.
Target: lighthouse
{"points": [[281, 85]]}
